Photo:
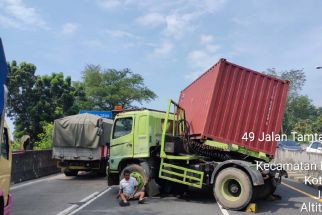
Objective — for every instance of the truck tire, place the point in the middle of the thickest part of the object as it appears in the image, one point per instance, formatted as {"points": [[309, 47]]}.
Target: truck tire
{"points": [[69, 172], [233, 189], [265, 190], [138, 173], [102, 169], [112, 179]]}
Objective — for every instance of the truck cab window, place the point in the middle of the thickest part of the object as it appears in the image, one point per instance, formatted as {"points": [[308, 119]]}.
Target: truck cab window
{"points": [[5, 144], [122, 126], [169, 126]]}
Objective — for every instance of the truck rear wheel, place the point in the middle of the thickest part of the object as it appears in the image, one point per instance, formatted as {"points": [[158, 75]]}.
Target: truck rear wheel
{"points": [[70, 172], [233, 189], [265, 190], [138, 173]]}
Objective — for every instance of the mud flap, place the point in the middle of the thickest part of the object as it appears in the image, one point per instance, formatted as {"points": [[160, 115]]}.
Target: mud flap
{"points": [[152, 188]]}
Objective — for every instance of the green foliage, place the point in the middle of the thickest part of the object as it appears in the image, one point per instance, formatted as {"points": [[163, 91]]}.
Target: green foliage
{"points": [[16, 146], [34, 99], [298, 111], [107, 88], [21, 79], [317, 124], [303, 126], [297, 80], [300, 114], [46, 137]]}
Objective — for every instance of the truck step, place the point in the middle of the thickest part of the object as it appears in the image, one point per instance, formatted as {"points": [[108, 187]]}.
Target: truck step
{"points": [[182, 175]]}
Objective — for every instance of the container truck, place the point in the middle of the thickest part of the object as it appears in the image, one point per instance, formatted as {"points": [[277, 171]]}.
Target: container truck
{"points": [[204, 140], [81, 143], [5, 144]]}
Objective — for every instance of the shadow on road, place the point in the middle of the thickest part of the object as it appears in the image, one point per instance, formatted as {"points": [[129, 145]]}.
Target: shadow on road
{"points": [[191, 202], [290, 203], [85, 176], [193, 196]]}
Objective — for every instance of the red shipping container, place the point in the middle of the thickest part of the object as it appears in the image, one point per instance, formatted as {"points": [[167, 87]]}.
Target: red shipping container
{"points": [[228, 101]]}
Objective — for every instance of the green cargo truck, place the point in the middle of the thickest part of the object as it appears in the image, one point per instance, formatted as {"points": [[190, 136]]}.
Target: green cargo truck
{"points": [[200, 141], [153, 145]]}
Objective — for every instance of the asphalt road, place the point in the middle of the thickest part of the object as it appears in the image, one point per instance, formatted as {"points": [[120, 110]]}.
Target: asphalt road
{"points": [[88, 195], [53, 194]]}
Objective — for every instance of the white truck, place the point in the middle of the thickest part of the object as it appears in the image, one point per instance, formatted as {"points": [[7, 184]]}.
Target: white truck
{"points": [[81, 143]]}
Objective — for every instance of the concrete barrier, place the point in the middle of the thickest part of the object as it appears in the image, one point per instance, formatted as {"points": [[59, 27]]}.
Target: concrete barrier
{"points": [[27, 165], [294, 158]]}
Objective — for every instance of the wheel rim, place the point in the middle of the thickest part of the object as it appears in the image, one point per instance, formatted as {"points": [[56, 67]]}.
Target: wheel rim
{"points": [[139, 178], [231, 189]]}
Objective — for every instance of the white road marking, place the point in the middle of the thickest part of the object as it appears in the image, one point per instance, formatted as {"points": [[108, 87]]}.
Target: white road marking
{"points": [[89, 197], [90, 201], [68, 210], [74, 206], [35, 181], [224, 211], [87, 200]]}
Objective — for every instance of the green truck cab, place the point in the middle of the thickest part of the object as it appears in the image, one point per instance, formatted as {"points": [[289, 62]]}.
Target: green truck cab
{"points": [[135, 136], [153, 145]]}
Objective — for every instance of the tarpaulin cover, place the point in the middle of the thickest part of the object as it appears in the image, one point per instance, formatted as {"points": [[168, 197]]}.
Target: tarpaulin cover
{"points": [[82, 131]]}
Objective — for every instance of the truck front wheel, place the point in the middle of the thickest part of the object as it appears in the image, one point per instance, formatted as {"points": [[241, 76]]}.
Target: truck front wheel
{"points": [[233, 188], [70, 172], [138, 173]]}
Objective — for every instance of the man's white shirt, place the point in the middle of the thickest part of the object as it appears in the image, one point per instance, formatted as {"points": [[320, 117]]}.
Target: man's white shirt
{"points": [[128, 185]]}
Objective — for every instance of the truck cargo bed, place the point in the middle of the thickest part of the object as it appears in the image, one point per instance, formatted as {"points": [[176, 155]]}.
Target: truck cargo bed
{"points": [[68, 153]]}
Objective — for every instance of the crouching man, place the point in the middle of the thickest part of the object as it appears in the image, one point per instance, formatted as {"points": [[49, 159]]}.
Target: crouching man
{"points": [[129, 190]]}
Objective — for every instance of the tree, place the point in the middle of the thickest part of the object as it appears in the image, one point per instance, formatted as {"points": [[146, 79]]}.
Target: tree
{"points": [[106, 88], [35, 99], [81, 100], [299, 110], [296, 77], [303, 127], [317, 124], [20, 82], [46, 137]]}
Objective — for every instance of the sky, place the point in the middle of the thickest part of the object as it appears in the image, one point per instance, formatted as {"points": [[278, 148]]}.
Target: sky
{"points": [[170, 42]]}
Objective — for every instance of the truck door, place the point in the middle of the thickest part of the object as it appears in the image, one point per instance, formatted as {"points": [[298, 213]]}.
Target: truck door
{"points": [[141, 137], [122, 139]]}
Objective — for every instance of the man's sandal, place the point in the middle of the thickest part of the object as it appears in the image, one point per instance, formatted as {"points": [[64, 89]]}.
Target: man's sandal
{"points": [[123, 204]]}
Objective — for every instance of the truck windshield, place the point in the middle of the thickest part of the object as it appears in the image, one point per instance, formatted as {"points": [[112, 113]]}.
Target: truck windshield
{"points": [[122, 126]]}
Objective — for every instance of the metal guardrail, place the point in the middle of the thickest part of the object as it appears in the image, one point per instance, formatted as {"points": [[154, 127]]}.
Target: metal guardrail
{"points": [[27, 165]]}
